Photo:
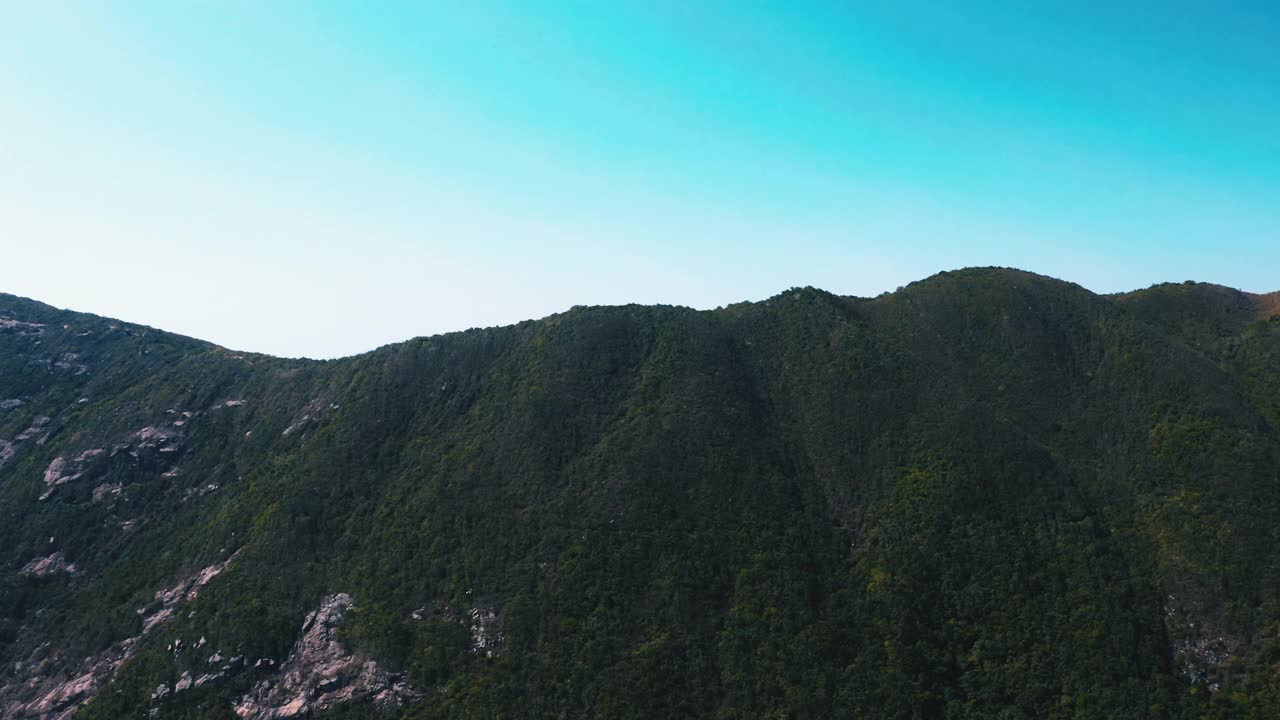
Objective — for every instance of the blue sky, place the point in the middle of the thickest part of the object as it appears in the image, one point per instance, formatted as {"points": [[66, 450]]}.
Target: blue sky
{"points": [[320, 178]]}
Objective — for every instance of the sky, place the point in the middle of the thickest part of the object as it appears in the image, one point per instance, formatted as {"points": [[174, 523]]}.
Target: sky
{"points": [[320, 178]]}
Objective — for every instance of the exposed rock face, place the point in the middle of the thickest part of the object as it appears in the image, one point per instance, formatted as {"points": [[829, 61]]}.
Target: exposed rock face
{"points": [[53, 474], [63, 470], [71, 361], [186, 681], [485, 636], [67, 468], [199, 491], [36, 427], [35, 694], [1199, 649], [101, 492], [43, 567], [59, 472], [312, 413], [481, 621], [58, 696], [1199, 659], [320, 673], [166, 601], [153, 437], [9, 449], [17, 327], [88, 455]]}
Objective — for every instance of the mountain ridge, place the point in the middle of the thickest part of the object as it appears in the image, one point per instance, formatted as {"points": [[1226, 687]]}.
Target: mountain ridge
{"points": [[988, 492], [1267, 304]]}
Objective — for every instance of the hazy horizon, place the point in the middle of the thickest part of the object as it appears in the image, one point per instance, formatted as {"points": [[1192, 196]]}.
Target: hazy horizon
{"points": [[320, 180]]}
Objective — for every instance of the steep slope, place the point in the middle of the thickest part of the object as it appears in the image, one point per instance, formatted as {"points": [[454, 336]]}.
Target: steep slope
{"points": [[988, 494]]}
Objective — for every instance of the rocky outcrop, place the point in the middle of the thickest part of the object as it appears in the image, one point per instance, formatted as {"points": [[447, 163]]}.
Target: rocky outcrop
{"points": [[166, 601], [7, 452], [38, 693], [319, 673], [57, 696], [59, 472], [9, 449], [18, 327], [36, 428], [313, 412], [67, 468], [485, 635], [106, 490], [63, 470], [221, 668], [43, 567], [70, 361], [481, 621], [1200, 647], [153, 437]]}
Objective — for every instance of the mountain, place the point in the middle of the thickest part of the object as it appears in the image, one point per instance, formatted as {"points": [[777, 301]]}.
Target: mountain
{"points": [[988, 494]]}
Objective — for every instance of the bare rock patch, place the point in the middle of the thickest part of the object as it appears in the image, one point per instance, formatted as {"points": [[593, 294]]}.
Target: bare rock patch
{"points": [[320, 673], [46, 566], [34, 694]]}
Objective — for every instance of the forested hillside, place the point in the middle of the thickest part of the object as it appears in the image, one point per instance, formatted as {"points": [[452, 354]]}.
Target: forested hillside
{"points": [[989, 494]]}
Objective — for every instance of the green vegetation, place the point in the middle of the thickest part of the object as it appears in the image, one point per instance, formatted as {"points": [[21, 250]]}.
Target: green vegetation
{"points": [[988, 495]]}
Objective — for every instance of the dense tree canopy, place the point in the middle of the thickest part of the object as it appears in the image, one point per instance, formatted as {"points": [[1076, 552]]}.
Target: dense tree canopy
{"points": [[988, 494]]}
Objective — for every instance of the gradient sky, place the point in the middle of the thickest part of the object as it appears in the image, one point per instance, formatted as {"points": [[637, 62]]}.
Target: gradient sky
{"points": [[321, 178]]}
